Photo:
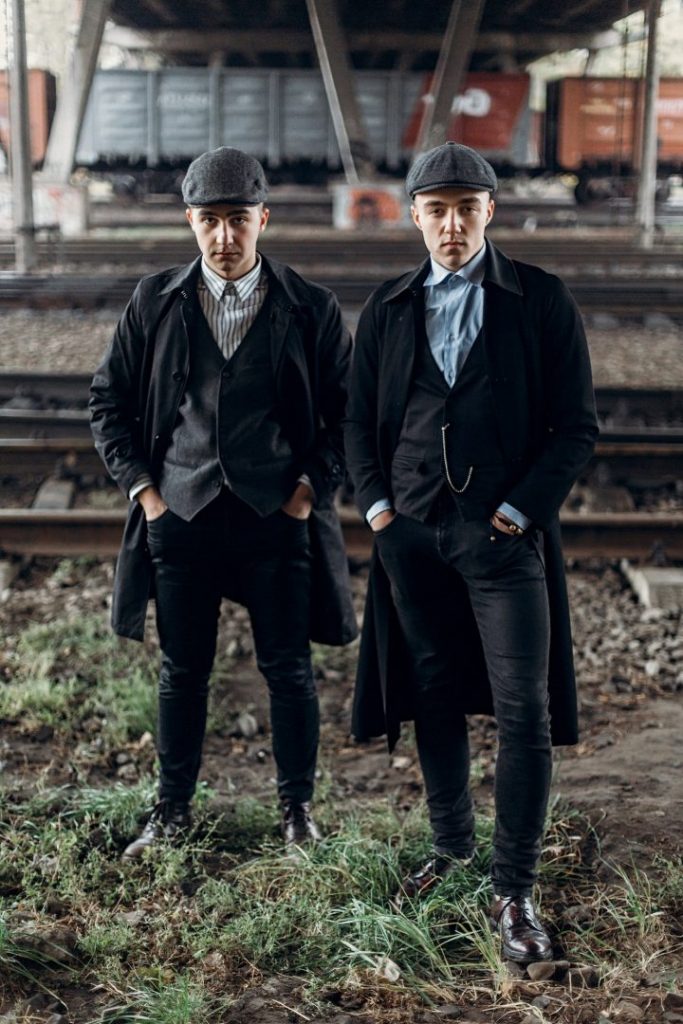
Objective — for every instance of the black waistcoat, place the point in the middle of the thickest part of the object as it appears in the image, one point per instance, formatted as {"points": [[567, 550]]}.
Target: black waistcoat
{"points": [[227, 431], [457, 424]]}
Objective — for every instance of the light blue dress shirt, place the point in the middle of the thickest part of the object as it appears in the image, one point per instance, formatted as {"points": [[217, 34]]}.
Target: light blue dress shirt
{"points": [[454, 316], [454, 312]]}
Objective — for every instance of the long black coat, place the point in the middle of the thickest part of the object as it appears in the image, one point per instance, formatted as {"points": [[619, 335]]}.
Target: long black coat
{"points": [[538, 365], [136, 393]]}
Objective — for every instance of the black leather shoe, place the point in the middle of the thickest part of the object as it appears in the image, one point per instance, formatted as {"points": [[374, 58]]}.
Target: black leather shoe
{"points": [[419, 882], [524, 939], [167, 822], [298, 827]]}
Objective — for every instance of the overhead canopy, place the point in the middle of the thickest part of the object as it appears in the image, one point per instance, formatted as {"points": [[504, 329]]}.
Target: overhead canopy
{"points": [[395, 33]]}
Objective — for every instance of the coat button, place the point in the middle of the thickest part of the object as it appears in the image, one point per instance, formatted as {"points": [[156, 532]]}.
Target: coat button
{"points": [[178, 375]]}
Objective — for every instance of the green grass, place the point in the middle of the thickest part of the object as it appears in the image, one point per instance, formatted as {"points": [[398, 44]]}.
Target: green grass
{"points": [[74, 674], [324, 917]]}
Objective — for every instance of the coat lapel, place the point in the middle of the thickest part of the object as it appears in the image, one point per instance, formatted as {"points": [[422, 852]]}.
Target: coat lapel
{"points": [[503, 337], [404, 328]]}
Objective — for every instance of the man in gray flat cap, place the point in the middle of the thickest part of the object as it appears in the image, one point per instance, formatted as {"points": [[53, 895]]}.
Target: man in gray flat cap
{"points": [[471, 413], [217, 409]]}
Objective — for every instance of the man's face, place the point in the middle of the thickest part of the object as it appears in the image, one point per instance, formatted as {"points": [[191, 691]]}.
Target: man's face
{"points": [[227, 235], [453, 221]]}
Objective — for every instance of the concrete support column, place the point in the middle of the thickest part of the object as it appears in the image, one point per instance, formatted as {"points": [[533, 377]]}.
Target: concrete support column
{"points": [[451, 67], [334, 63], [648, 152], [75, 89], [20, 148]]}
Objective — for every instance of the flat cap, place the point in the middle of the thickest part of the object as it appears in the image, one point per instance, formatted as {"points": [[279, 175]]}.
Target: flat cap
{"points": [[225, 175], [450, 166]]}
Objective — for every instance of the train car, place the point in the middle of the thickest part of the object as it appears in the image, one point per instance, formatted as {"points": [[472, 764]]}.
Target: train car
{"points": [[492, 114], [594, 125], [162, 119], [41, 109]]}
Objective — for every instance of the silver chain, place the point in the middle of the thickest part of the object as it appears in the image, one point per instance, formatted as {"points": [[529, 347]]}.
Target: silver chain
{"points": [[456, 490]]}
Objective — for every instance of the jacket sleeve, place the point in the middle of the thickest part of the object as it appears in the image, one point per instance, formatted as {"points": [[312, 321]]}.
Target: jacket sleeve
{"points": [[115, 413], [325, 464], [362, 427], [570, 421]]}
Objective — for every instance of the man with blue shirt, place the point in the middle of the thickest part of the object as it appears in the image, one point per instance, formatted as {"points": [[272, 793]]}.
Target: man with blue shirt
{"points": [[471, 413], [218, 411]]}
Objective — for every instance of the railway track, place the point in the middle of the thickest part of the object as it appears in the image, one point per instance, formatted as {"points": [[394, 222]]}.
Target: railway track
{"points": [[622, 298], [615, 405], [387, 252], [57, 442], [648, 458], [34, 438], [97, 533]]}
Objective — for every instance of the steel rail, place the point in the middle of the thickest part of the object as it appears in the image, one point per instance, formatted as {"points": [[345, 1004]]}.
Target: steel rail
{"points": [[71, 389], [97, 533], [621, 297]]}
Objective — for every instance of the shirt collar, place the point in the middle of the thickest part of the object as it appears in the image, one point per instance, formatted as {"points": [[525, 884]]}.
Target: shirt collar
{"points": [[244, 286], [472, 272]]}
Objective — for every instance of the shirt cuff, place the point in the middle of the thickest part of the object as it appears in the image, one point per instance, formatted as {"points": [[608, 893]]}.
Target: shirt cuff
{"points": [[305, 479], [513, 514], [383, 505], [139, 485]]}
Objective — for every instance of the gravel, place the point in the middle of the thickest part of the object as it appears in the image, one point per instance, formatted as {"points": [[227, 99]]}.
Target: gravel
{"points": [[72, 341]]}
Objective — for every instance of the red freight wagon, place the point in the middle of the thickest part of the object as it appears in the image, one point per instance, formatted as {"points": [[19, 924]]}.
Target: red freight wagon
{"points": [[596, 123], [492, 115], [41, 108]]}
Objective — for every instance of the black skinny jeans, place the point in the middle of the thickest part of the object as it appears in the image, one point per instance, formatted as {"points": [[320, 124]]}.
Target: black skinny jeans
{"points": [[428, 564], [267, 561]]}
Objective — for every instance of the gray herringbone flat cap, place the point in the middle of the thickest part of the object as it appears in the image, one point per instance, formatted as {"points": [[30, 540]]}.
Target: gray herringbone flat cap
{"points": [[224, 176], [450, 166]]}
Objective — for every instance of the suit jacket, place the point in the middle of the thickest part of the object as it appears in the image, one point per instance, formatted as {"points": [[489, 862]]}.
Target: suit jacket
{"points": [[136, 393], [538, 365]]}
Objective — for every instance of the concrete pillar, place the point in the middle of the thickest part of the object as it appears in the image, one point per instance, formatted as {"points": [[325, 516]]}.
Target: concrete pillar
{"points": [[74, 91], [648, 152], [451, 67], [20, 148], [332, 50]]}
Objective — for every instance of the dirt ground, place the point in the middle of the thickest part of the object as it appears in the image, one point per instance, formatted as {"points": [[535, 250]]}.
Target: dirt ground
{"points": [[632, 789]]}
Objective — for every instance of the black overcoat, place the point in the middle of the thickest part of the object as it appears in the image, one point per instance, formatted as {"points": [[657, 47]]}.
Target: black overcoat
{"points": [[539, 368], [136, 393]]}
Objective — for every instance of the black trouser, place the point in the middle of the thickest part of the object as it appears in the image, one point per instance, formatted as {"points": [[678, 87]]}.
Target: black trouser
{"points": [[267, 561], [429, 565]]}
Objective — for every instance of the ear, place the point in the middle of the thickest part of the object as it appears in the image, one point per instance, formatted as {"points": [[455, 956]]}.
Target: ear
{"points": [[265, 214], [188, 216], [489, 211], [415, 214]]}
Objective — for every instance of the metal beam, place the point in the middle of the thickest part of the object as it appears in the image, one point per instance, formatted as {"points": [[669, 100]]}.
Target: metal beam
{"points": [[648, 153], [335, 66], [451, 67], [20, 148], [74, 91], [203, 41]]}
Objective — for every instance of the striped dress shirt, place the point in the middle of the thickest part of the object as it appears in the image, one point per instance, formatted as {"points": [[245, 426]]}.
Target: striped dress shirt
{"points": [[230, 307]]}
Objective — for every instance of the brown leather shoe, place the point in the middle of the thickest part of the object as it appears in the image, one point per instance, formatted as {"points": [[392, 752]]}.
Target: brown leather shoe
{"points": [[419, 882], [298, 827], [524, 939], [167, 822]]}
